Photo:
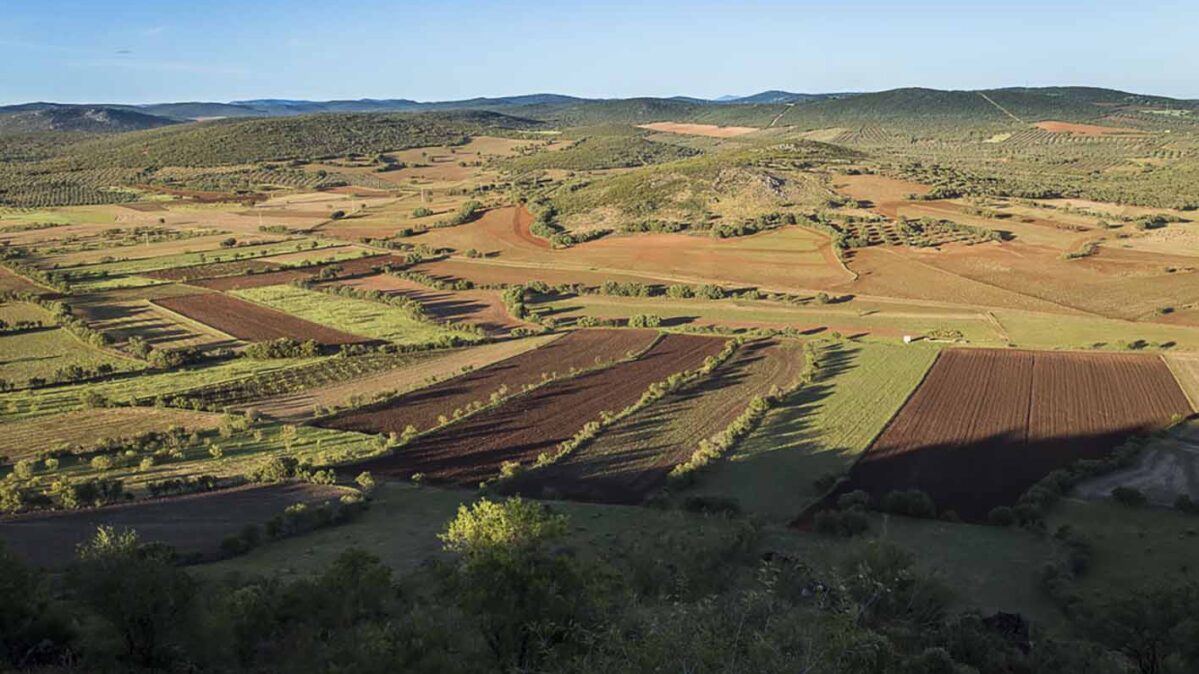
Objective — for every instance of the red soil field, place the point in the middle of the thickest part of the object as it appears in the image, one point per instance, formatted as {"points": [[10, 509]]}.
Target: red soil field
{"points": [[483, 308], [986, 424], [474, 449], [355, 267], [252, 322], [579, 350], [194, 524]]}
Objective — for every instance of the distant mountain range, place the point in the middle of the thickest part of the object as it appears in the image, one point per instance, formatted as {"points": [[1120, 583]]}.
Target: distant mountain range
{"points": [[1072, 103]]}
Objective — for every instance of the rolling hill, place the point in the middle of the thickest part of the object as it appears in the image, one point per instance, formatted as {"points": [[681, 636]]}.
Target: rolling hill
{"points": [[38, 117]]}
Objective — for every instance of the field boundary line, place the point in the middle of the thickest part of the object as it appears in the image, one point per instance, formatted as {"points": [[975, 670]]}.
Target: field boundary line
{"points": [[870, 445], [687, 378]]}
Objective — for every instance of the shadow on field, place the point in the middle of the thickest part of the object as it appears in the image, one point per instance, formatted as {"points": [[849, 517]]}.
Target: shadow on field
{"points": [[637, 453], [972, 479]]}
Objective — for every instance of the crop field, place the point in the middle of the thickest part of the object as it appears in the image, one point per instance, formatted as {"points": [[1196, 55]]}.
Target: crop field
{"points": [[211, 270], [240, 281], [86, 428], [252, 322], [497, 273], [631, 459], [1005, 419], [820, 430], [710, 130], [41, 353], [474, 449], [194, 524], [14, 283], [301, 378], [577, 351], [1186, 369], [482, 308], [422, 372], [360, 317], [122, 314], [141, 266], [129, 390], [96, 251]]}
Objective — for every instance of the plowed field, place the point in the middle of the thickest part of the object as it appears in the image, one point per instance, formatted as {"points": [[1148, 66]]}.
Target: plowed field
{"points": [[473, 450], [986, 424], [252, 322], [578, 350], [354, 267], [632, 458]]}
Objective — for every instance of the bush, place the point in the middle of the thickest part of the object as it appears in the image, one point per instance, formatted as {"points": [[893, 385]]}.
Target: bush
{"points": [[842, 524], [913, 503], [1129, 496], [1001, 516], [712, 505]]}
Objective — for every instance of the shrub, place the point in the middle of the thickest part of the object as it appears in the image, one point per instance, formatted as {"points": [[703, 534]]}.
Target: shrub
{"points": [[1129, 496]]}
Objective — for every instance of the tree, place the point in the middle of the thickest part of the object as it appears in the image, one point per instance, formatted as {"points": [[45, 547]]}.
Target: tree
{"points": [[523, 596], [136, 589], [31, 632]]}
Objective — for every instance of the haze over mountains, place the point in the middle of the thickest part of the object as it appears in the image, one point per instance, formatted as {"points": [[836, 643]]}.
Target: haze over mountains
{"points": [[1075, 103]]}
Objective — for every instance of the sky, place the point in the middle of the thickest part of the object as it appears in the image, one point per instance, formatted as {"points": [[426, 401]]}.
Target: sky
{"points": [[141, 51]]}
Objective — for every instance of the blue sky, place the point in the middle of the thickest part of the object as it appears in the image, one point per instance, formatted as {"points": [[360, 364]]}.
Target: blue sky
{"points": [[140, 51]]}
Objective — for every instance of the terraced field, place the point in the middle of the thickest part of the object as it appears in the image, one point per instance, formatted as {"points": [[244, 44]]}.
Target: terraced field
{"points": [[361, 317], [577, 351], [253, 322], [297, 406], [474, 449], [89, 427], [632, 458]]}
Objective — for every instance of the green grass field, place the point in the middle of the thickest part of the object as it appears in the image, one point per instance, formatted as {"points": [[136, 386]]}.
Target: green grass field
{"points": [[1133, 547], [131, 267], [819, 430], [1035, 330], [40, 353], [359, 317], [240, 453], [29, 404]]}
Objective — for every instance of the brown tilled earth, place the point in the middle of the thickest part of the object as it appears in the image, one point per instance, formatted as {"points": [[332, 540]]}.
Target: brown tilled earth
{"points": [[578, 350], [349, 268], [474, 449], [194, 524], [294, 407], [632, 458], [253, 322], [986, 424]]}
